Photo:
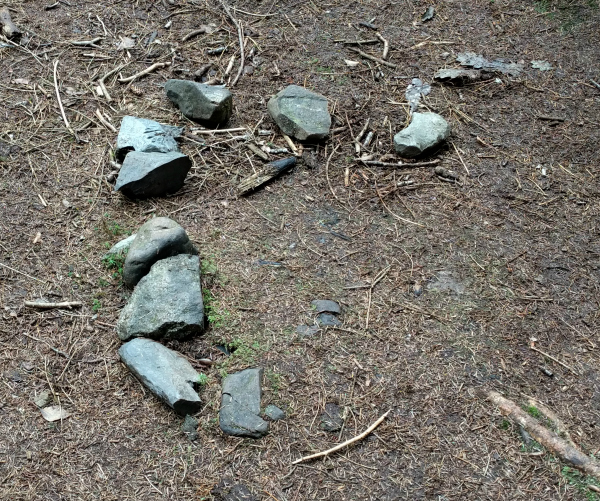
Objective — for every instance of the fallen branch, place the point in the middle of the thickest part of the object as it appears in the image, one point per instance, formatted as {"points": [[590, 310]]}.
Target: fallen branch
{"points": [[555, 359], [346, 443], [60, 105], [373, 58], [194, 33], [101, 82], [47, 306], [87, 43], [149, 69], [269, 172], [9, 30], [550, 440], [386, 45], [240, 31], [377, 163], [105, 122]]}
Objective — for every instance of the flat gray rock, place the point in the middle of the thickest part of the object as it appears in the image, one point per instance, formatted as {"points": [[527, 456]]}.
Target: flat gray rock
{"points": [[164, 372], [208, 104], [148, 136], [300, 113], [156, 239], [273, 412], [425, 132], [457, 76], [331, 419], [121, 247], [328, 320], [166, 303], [307, 330], [145, 175], [326, 305], [190, 427], [240, 405]]}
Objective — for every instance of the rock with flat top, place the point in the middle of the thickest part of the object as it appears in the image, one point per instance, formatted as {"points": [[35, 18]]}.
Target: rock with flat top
{"points": [[240, 405], [164, 372], [300, 113], [156, 239], [166, 303], [425, 132], [147, 136], [210, 105]]}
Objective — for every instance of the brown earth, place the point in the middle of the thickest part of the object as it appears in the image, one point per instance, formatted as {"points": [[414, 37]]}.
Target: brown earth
{"points": [[509, 254]]}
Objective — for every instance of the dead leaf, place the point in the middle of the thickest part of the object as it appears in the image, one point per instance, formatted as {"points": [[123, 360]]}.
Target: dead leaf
{"points": [[126, 43], [54, 413]]}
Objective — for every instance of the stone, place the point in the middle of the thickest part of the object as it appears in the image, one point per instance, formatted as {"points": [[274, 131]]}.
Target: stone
{"points": [[328, 320], [425, 132], [457, 76], [331, 419], [43, 399], [164, 372], [325, 305], [307, 330], [166, 303], [156, 239], [190, 427], [121, 247], [273, 412], [300, 113], [207, 104], [228, 490], [147, 136], [145, 175], [240, 405]]}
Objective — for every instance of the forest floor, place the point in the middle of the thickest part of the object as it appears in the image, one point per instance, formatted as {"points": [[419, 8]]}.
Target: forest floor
{"points": [[443, 286]]}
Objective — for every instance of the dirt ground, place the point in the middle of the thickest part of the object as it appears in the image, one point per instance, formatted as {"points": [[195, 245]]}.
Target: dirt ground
{"points": [[469, 273]]}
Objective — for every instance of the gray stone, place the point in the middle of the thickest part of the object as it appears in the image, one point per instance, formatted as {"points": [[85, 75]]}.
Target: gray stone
{"points": [[307, 330], [331, 419], [300, 113], [167, 302], [190, 427], [164, 372], [325, 305], [457, 76], [43, 399], [145, 175], [240, 405], [228, 490], [425, 132], [157, 239], [273, 412], [207, 104], [121, 247], [141, 134], [328, 320]]}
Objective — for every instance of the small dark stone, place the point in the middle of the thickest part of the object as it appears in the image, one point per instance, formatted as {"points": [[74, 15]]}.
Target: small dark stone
{"points": [[273, 412], [331, 419], [328, 320], [208, 104], [190, 427], [227, 490], [325, 305]]}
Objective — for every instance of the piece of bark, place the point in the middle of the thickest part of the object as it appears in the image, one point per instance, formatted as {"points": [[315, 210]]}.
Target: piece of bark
{"points": [[550, 440], [267, 173], [9, 30]]}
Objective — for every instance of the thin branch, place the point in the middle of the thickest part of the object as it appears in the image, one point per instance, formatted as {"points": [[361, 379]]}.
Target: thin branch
{"points": [[149, 69], [60, 105], [555, 359], [240, 31], [346, 443], [48, 306], [373, 58]]}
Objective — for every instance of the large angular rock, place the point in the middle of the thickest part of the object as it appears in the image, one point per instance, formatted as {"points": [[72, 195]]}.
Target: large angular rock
{"points": [[157, 239], [164, 372], [145, 175], [425, 132], [147, 136], [240, 405], [167, 302], [208, 104], [300, 113]]}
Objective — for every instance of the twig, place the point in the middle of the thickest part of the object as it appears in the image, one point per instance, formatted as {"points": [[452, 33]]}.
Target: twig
{"points": [[240, 31], [194, 33], [217, 131], [555, 359], [595, 83], [48, 306], [461, 159], [373, 58], [545, 437], [377, 163], [229, 66], [346, 443], [327, 174], [60, 105], [149, 69], [105, 122], [101, 80], [357, 42], [55, 350], [87, 43], [386, 45], [21, 273]]}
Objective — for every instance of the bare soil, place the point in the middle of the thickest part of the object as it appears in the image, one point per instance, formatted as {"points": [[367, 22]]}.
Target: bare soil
{"points": [[472, 272]]}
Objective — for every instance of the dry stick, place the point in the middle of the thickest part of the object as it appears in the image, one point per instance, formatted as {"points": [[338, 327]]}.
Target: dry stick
{"points": [[56, 350], [555, 359], [149, 69], [377, 163], [217, 131], [346, 443], [47, 306], [21, 273], [595, 83], [396, 215], [101, 80], [60, 105], [386, 45], [105, 122], [193, 34], [87, 43], [461, 159], [547, 438], [373, 58], [327, 174], [240, 31]]}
